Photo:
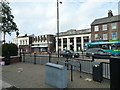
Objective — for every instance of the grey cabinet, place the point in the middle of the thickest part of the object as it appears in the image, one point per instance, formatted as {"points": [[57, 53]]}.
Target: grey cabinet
{"points": [[56, 75]]}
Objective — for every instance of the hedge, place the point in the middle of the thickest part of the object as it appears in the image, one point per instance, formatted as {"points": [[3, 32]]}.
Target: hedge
{"points": [[9, 49]]}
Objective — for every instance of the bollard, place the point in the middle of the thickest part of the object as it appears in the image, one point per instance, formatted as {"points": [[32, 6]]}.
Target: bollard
{"points": [[71, 72], [57, 62], [23, 57], [67, 63], [30, 54], [80, 70], [92, 58], [20, 57], [34, 58], [49, 57]]}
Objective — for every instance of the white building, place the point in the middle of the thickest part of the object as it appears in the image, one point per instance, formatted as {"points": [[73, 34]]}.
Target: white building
{"points": [[73, 39], [23, 42]]}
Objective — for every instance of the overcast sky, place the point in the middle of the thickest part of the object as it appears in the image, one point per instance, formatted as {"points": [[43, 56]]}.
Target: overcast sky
{"points": [[39, 17]]}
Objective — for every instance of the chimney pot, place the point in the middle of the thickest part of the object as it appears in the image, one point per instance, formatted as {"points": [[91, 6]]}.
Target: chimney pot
{"points": [[110, 14]]}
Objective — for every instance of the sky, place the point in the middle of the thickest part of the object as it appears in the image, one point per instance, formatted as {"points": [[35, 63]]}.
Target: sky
{"points": [[39, 17]]}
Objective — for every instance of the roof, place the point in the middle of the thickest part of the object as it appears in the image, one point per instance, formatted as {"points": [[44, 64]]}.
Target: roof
{"points": [[29, 35], [106, 20]]}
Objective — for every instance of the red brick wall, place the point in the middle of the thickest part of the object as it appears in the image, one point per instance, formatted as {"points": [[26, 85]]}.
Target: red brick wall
{"points": [[15, 59]]}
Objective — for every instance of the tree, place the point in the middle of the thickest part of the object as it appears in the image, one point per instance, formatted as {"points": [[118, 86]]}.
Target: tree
{"points": [[7, 25]]}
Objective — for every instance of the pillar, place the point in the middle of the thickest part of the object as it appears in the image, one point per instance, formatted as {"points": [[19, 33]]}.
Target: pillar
{"points": [[56, 44], [62, 44], [82, 43], [68, 44], [75, 45]]}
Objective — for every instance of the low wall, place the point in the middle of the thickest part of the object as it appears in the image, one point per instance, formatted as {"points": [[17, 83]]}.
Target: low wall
{"points": [[13, 59]]}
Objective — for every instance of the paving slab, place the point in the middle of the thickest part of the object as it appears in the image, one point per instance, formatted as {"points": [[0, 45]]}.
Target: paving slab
{"points": [[29, 75]]}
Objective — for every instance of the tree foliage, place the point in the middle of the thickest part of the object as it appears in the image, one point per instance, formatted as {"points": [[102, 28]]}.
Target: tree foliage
{"points": [[7, 25], [9, 49]]}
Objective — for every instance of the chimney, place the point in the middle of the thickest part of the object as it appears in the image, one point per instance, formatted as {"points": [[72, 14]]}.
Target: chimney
{"points": [[110, 14]]}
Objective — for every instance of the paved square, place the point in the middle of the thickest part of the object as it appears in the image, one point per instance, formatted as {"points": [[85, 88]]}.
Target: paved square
{"points": [[29, 75]]}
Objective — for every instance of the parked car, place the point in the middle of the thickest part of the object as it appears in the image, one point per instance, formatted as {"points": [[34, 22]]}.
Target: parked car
{"points": [[69, 53], [98, 52]]}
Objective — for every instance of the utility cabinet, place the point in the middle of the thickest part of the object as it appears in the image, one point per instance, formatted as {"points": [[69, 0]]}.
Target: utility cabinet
{"points": [[56, 75]]}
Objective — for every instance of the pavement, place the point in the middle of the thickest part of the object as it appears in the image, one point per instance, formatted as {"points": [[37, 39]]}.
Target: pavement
{"points": [[29, 75]]}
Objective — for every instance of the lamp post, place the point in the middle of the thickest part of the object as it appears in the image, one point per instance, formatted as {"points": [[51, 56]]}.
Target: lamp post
{"points": [[58, 24]]}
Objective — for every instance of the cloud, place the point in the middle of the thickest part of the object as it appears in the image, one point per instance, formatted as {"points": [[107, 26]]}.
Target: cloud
{"points": [[40, 16]]}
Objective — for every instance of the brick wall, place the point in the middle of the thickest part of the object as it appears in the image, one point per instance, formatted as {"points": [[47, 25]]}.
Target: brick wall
{"points": [[13, 59]]}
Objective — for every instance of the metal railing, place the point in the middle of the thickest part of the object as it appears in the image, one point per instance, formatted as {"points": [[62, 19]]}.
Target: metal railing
{"points": [[80, 65]]}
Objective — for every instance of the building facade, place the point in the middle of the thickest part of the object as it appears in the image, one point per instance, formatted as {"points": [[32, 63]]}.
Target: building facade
{"points": [[106, 29], [73, 40], [44, 43], [24, 42]]}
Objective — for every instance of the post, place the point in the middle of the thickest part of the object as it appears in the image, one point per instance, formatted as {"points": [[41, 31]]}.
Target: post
{"points": [[92, 58], [58, 26], [67, 63], [80, 70], [23, 57], [20, 57], [49, 57], [82, 54], [34, 58], [71, 72]]}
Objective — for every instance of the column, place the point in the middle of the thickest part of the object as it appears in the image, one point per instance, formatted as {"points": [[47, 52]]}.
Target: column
{"points": [[56, 44], [75, 45], [82, 43], [90, 38], [62, 44], [68, 44]]}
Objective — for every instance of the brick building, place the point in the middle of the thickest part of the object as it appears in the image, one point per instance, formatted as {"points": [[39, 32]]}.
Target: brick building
{"points": [[106, 29], [43, 43]]}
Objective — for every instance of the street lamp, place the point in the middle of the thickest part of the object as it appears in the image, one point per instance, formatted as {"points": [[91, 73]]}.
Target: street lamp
{"points": [[58, 24]]}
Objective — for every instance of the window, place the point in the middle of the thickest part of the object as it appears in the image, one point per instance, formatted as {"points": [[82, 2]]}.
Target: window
{"points": [[86, 39], [114, 26], [26, 41], [96, 37], [105, 46], [96, 28], [20, 42], [114, 35], [104, 27], [105, 36]]}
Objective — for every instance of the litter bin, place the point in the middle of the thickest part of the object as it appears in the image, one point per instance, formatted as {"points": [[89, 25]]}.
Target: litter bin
{"points": [[7, 60], [56, 75], [97, 71]]}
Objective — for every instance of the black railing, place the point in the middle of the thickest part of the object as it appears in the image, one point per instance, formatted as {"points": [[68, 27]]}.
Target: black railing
{"points": [[80, 65]]}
